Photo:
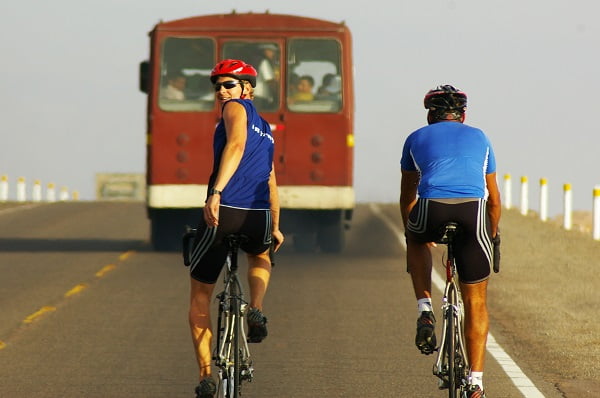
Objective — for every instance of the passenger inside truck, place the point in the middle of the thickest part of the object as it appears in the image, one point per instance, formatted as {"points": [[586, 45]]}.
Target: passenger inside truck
{"points": [[175, 88], [319, 59], [185, 69], [265, 57], [304, 89], [331, 88]]}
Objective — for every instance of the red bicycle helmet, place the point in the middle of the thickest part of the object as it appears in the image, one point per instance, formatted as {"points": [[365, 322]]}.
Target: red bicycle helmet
{"points": [[445, 98], [236, 69]]}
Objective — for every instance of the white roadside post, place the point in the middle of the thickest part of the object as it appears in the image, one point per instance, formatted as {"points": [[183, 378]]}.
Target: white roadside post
{"points": [[596, 214], [567, 207], [524, 196], [64, 194], [4, 188], [21, 192], [51, 193], [543, 199], [507, 192], [36, 191]]}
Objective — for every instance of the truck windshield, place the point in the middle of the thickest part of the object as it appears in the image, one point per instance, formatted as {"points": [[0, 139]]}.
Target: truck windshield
{"points": [[184, 74]]}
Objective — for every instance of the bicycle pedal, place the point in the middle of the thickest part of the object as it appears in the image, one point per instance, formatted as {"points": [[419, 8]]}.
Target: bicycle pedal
{"points": [[426, 350]]}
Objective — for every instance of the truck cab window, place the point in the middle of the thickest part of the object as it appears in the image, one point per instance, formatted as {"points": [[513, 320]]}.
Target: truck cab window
{"points": [[184, 74]]}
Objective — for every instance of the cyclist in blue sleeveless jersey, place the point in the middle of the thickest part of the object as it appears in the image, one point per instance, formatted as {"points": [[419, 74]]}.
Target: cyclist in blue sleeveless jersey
{"points": [[241, 198], [449, 174]]}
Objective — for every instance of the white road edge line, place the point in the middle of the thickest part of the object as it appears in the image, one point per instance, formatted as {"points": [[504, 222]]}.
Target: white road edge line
{"points": [[512, 370], [18, 208]]}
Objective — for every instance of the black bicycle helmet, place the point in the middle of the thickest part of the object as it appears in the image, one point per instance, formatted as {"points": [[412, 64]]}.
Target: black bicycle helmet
{"points": [[445, 98]]}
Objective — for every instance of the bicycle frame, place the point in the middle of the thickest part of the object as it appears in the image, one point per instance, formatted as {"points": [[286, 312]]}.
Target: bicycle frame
{"points": [[232, 355], [452, 365]]}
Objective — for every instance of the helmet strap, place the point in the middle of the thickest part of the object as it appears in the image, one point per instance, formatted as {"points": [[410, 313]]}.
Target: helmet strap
{"points": [[242, 84]]}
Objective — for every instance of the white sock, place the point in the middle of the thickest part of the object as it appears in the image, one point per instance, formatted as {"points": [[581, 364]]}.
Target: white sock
{"points": [[476, 378], [424, 304]]}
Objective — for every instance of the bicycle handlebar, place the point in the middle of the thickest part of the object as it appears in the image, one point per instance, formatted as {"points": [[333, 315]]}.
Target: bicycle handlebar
{"points": [[188, 237], [496, 249], [272, 253]]}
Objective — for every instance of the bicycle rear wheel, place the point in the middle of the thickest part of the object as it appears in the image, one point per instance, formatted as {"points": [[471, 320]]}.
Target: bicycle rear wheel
{"points": [[454, 345], [236, 368], [450, 352], [228, 357]]}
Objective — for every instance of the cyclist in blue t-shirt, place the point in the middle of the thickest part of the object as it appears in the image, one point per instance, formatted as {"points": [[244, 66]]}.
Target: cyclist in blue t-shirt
{"points": [[449, 174], [241, 198]]}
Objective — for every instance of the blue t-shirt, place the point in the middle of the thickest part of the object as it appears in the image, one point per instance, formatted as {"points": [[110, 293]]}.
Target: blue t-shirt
{"points": [[248, 188], [452, 159]]}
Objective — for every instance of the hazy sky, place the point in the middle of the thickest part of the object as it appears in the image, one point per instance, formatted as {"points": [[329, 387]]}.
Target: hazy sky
{"points": [[71, 106]]}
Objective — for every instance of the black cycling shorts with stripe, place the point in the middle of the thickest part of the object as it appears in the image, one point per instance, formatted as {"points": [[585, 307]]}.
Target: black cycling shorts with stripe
{"points": [[473, 246], [209, 250]]}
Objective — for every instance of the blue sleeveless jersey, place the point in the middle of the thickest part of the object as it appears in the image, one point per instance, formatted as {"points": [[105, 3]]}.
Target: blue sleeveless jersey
{"points": [[248, 188], [452, 159]]}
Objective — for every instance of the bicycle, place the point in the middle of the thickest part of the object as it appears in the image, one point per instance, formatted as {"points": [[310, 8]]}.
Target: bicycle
{"points": [[231, 353], [452, 363]]}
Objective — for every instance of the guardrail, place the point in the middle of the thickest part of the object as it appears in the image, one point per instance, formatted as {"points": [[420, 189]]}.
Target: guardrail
{"points": [[567, 221], [35, 194]]}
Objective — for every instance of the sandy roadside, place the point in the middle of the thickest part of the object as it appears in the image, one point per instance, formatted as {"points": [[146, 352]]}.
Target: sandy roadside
{"points": [[546, 304]]}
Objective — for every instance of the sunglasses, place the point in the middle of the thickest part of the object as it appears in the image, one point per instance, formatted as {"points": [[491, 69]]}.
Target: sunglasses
{"points": [[229, 84]]}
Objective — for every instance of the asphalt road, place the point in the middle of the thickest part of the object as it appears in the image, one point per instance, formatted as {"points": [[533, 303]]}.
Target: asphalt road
{"points": [[88, 310]]}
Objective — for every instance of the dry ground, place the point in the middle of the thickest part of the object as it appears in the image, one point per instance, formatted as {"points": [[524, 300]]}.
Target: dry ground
{"points": [[546, 301]]}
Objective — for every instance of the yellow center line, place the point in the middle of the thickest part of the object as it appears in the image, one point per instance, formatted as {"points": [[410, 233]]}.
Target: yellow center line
{"points": [[76, 289], [104, 270], [126, 255], [36, 315], [73, 291]]}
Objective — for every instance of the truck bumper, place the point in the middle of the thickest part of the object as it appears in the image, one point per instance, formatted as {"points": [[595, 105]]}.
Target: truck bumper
{"points": [[290, 196]]}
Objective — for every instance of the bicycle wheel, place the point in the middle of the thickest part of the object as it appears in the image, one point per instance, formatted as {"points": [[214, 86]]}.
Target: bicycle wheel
{"points": [[455, 346], [450, 352], [223, 346], [461, 360], [227, 354], [236, 368], [228, 357]]}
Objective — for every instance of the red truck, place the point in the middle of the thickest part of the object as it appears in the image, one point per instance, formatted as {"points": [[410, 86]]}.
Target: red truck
{"points": [[314, 132]]}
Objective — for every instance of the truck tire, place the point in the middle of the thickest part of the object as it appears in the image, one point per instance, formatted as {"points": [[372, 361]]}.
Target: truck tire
{"points": [[167, 227], [331, 235], [305, 242], [163, 234]]}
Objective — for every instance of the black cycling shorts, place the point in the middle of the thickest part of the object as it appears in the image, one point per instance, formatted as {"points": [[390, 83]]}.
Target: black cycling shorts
{"points": [[473, 245], [209, 249]]}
